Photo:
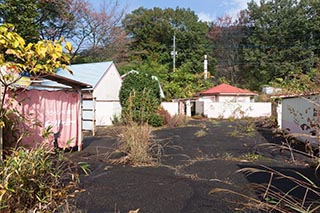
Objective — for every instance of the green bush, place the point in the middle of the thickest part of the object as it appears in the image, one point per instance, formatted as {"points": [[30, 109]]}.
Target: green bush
{"points": [[155, 120], [36, 180], [139, 97], [139, 107]]}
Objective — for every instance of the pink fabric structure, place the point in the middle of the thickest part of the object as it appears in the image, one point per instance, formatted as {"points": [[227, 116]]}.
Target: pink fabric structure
{"points": [[58, 109]]}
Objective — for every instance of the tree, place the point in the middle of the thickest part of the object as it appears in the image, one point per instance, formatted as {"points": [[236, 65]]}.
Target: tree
{"points": [[98, 35], [151, 34], [94, 34], [282, 40], [38, 19], [228, 36]]}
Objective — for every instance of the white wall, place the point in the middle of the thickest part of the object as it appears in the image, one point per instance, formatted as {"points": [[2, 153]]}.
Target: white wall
{"points": [[106, 93], [300, 111], [105, 112], [226, 98], [109, 86], [245, 99], [171, 107], [236, 110]]}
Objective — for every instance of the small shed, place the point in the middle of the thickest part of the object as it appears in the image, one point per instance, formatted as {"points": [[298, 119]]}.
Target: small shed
{"points": [[101, 103], [225, 101], [58, 109], [227, 93]]}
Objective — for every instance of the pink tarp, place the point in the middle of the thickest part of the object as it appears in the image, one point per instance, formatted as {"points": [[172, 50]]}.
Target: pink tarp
{"points": [[58, 109]]}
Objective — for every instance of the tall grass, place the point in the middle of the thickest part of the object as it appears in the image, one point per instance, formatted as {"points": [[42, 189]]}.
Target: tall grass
{"points": [[36, 180], [138, 146], [136, 143]]}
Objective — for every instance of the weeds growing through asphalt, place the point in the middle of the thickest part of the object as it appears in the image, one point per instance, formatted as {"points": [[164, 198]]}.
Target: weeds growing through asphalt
{"points": [[177, 121], [36, 180], [200, 133], [275, 199], [137, 146], [246, 129], [251, 157]]}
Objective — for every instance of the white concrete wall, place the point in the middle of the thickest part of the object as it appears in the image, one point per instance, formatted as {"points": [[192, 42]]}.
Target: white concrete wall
{"points": [[226, 98], [209, 99], [298, 112], [236, 110], [245, 99], [171, 107]]}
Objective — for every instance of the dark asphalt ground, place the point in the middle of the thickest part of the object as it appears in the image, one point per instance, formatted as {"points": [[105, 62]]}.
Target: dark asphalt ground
{"points": [[191, 166]]}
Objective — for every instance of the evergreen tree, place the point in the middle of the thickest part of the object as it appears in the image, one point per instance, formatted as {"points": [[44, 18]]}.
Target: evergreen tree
{"points": [[281, 41]]}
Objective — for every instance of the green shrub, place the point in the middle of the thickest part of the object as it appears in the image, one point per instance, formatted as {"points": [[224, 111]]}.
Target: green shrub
{"points": [[139, 82], [139, 107], [36, 180], [155, 120], [139, 97]]}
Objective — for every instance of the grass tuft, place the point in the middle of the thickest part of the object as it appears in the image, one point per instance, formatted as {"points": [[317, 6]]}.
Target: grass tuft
{"points": [[137, 146]]}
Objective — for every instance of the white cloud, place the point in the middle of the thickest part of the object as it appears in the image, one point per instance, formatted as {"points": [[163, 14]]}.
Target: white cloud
{"points": [[205, 17], [233, 7]]}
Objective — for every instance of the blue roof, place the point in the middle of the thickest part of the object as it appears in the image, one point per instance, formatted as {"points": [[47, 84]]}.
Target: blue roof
{"points": [[89, 73]]}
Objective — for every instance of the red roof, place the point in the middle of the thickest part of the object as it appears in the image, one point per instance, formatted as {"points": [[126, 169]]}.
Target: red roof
{"points": [[225, 89]]}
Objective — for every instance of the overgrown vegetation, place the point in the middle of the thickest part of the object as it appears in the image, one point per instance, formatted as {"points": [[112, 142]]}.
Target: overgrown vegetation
{"points": [[136, 143], [302, 197], [36, 180], [140, 99], [278, 190], [137, 146]]}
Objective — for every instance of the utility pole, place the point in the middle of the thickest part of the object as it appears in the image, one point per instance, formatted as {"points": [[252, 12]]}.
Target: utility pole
{"points": [[174, 52]]}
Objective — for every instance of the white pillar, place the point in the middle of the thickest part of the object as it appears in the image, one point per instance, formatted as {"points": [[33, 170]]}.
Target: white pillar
{"points": [[279, 114]]}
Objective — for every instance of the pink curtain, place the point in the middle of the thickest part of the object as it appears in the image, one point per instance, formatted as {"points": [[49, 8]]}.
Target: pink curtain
{"points": [[43, 109]]}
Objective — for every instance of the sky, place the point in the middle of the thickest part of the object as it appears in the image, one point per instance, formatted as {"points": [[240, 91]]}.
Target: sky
{"points": [[207, 10]]}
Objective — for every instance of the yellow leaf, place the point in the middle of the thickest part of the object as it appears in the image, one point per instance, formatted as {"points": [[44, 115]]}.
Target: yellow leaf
{"points": [[69, 46]]}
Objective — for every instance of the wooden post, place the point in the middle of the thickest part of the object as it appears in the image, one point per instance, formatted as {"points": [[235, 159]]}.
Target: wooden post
{"points": [[93, 116], [80, 114]]}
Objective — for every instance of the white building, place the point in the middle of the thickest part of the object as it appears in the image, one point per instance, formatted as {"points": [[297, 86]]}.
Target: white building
{"points": [[225, 101], [101, 103]]}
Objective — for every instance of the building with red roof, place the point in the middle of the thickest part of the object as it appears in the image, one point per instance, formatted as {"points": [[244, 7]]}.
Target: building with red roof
{"points": [[227, 93]]}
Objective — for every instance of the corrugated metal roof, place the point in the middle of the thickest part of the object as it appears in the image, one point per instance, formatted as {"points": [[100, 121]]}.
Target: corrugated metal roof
{"points": [[89, 73], [226, 89]]}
